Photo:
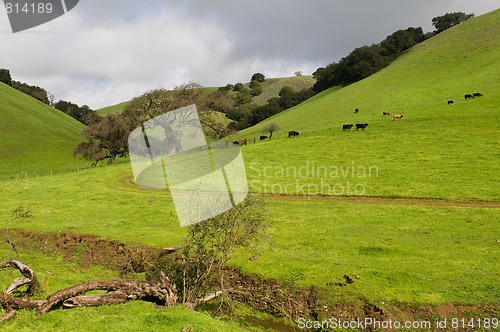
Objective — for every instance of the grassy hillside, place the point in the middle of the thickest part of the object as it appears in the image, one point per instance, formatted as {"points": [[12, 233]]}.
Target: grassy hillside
{"points": [[458, 61], [272, 86], [436, 150], [118, 108], [34, 137]]}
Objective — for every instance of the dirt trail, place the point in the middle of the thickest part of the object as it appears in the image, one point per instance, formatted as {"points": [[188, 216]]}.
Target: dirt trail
{"points": [[388, 200], [126, 182]]}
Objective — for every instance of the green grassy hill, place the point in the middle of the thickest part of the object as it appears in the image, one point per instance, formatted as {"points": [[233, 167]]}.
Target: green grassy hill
{"points": [[458, 61], [272, 86], [436, 150], [34, 138], [118, 108]]}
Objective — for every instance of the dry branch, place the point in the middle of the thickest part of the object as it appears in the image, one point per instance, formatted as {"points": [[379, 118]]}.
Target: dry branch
{"points": [[9, 315], [28, 273]]}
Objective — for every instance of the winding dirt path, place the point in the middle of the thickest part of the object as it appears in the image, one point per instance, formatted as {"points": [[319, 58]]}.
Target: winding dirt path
{"points": [[126, 181], [389, 200]]}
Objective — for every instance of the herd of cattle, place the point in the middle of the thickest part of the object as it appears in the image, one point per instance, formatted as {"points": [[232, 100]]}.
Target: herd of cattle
{"points": [[263, 138], [361, 126], [468, 96]]}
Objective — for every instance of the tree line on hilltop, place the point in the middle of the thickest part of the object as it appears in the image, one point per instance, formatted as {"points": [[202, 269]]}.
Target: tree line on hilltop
{"points": [[367, 60], [106, 137], [84, 114]]}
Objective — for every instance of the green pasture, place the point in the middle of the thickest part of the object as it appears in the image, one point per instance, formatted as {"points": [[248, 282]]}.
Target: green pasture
{"points": [[454, 157], [402, 253], [395, 252]]}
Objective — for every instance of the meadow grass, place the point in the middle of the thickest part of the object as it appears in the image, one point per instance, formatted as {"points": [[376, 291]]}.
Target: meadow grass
{"points": [[401, 253], [99, 201]]}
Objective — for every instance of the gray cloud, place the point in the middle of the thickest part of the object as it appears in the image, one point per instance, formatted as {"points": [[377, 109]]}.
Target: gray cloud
{"points": [[104, 52]]}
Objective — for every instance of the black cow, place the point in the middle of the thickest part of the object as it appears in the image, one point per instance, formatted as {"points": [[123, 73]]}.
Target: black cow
{"points": [[293, 133], [386, 113], [263, 138], [361, 126], [469, 96], [450, 102], [477, 94], [356, 110], [347, 127]]}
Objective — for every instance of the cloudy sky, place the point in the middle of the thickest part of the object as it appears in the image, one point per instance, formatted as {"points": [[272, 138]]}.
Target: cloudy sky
{"points": [[107, 51]]}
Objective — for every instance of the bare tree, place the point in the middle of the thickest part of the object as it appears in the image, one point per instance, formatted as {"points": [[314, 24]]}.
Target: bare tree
{"points": [[271, 128]]}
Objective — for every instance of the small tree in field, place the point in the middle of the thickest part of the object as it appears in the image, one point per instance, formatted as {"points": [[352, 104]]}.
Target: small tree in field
{"points": [[199, 272], [270, 129], [106, 139]]}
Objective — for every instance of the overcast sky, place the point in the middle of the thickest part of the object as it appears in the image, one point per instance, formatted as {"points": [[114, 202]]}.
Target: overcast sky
{"points": [[107, 51]]}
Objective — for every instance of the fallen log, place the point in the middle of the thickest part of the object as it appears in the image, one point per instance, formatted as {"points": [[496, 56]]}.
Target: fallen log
{"points": [[160, 291]]}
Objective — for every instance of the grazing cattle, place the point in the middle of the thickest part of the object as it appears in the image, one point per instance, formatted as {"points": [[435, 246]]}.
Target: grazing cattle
{"points": [[477, 94], [347, 127], [293, 133], [468, 96], [397, 116], [356, 110], [263, 138], [361, 126], [386, 113], [450, 102]]}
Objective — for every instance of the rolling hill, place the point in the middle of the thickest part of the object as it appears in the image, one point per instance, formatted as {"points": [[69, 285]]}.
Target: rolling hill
{"points": [[458, 61], [417, 237], [34, 138], [435, 150], [270, 89]]}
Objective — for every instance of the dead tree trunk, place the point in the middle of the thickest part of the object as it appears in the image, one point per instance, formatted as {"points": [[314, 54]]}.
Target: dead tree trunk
{"points": [[161, 292]]}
